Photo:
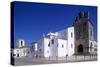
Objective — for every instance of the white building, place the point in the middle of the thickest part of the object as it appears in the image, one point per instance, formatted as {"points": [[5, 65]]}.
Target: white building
{"points": [[21, 50], [20, 43], [78, 39], [34, 49], [58, 44]]}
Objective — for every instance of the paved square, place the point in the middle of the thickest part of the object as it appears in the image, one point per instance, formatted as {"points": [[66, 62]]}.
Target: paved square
{"points": [[35, 61]]}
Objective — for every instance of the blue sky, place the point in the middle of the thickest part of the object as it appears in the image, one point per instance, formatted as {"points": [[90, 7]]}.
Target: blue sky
{"points": [[32, 20]]}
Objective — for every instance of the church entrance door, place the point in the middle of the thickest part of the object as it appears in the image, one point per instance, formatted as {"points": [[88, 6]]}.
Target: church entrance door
{"points": [[80, 48]]}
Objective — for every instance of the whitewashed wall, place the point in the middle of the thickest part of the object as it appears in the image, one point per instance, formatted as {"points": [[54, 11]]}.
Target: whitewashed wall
{"points": [[22, 52], [55, 49], [62, 34], [40, 46], [62, 50], [34, 49], [47, 49], [71, 40]]}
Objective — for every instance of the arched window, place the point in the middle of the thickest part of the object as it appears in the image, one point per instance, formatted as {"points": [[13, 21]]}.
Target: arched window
{"points": [[62, 45], [91, 46], [40, 50], [49, 45], [52, 41], [71, 34], [21, 43], [91, 33], [84, 26]]}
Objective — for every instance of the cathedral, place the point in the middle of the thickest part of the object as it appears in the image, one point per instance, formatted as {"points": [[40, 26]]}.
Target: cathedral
{"points": [[77, 39]]}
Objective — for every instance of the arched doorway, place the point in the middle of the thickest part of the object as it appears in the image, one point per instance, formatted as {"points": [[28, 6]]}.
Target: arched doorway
{"points": [[80, 48]]}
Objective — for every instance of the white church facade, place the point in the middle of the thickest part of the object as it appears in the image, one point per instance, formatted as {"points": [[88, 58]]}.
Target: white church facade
{"points": [[58, 44]]}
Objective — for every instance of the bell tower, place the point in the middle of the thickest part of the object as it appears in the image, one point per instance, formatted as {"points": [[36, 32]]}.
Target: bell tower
{"points": [[83, 33]]}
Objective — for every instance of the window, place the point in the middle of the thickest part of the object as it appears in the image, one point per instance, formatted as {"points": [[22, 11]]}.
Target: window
{"points": [[14, 54], [85, 23], [71, 45], [49, 45], [86, 15], [52, 41], [91, 33], [62, 45], [40, 50], [28, 52], [84, 27], [91, 46], [71, 34], [57, 45], [21, 43], [17, 55]]}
